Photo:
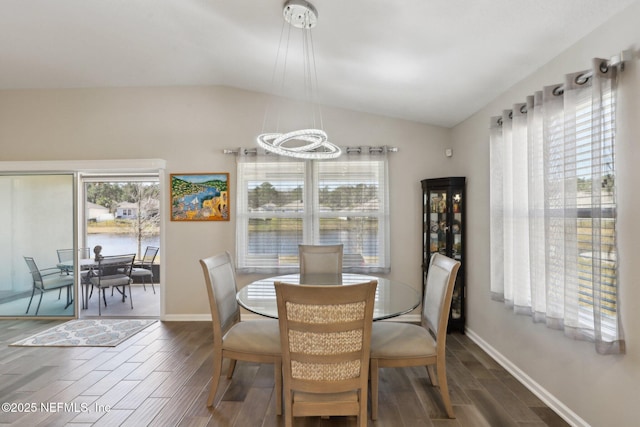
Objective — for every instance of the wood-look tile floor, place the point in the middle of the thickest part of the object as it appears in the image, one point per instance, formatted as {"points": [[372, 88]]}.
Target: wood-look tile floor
{"points": [[160, 377]]}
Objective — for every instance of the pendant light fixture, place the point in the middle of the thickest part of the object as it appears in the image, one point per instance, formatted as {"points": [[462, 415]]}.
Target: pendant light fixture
{"points": [[308, 143]]}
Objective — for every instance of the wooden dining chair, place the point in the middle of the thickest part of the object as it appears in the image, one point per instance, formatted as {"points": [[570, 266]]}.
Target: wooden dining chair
{"points": [[395, 345], [320, 259], [325, 333], [250, 341]]}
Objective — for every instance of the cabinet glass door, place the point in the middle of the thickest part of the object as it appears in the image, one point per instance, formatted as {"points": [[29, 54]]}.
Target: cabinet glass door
{"points": [[456, 225], [438, 222]]}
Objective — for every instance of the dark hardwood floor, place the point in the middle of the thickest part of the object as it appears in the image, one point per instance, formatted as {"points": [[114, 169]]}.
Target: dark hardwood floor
{"points": [[160, 377]]}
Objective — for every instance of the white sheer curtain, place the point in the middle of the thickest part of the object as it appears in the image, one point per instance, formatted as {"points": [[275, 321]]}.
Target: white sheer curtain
{"points": [[553, 242]]}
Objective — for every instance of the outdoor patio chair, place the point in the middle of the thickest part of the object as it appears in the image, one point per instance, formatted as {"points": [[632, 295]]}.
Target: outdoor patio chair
{"points": [[48, 279], [113, 272], [65, 260], [66, 255], [144, 268]]}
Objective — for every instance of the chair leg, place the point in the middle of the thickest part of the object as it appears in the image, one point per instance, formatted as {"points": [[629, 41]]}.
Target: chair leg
{"points": [[130, 299], [373, 374], [232, 368], [215, 378], [39, 301], [144, 283], [69, 297], [444, 388], [288, 408], [278, 382], [362, 418], [431, 371], [33, 291]]}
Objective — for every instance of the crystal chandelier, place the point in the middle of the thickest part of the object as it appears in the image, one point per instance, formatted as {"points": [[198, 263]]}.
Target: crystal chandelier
{"points": [[311, 143]]}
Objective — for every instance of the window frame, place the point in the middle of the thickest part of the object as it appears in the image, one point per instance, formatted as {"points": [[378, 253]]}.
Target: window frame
{"points": [[311, 214]]}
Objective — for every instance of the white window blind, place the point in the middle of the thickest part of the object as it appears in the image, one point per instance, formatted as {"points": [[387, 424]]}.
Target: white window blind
{"points": [[285, 202]]}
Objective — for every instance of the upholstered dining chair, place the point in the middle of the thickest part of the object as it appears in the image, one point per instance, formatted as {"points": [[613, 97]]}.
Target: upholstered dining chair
{"points": [[320, 259], [325, 333], [395, 344], [250, 341]]}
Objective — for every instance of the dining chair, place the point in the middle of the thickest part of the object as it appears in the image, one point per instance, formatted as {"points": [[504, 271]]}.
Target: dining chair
{"points": [[255, 341], [47, 279], [320, 259], [395, 344], [144, 268], [325, 333], [112, 272]]}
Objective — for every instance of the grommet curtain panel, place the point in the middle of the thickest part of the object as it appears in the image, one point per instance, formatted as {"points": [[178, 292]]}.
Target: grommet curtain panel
{"points": [[553, 207]]}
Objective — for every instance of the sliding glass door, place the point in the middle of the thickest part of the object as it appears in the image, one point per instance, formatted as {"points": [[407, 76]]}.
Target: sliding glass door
{"points": [[121, 215], [37, 218]]}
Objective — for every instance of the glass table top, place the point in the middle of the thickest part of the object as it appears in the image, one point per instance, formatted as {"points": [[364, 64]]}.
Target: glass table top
{"points": [[393, 298]]}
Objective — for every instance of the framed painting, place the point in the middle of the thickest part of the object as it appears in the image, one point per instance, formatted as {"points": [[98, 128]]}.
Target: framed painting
{"points": [[200, 196]]}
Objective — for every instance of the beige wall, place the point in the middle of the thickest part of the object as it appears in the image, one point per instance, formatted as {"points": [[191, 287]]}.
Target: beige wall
{"points": [[189, 127], [602, 390]]}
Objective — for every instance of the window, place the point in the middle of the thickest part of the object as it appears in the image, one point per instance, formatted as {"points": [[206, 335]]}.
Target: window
{"points": [[285, 202], [553, 208]]}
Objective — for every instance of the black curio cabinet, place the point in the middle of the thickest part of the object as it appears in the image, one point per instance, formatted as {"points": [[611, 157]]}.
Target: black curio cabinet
{"points": [[444, 232]]}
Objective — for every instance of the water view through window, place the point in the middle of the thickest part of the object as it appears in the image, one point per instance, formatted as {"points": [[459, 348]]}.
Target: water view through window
{"points": [[122, 216]]}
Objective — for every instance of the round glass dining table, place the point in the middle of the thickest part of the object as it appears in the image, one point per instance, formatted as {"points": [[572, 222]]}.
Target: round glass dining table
{"points": [[393, 298]]}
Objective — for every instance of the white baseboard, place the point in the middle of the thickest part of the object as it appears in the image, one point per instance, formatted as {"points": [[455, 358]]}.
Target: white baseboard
{"points": [[186, 318], [543, 394]]}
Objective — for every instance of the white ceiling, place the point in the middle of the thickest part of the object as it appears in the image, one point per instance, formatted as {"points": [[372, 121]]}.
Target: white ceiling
{"points": [[435, 62]]}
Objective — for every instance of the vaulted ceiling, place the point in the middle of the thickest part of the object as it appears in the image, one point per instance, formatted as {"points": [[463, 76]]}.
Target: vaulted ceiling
{"points": [[435, 62]]}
